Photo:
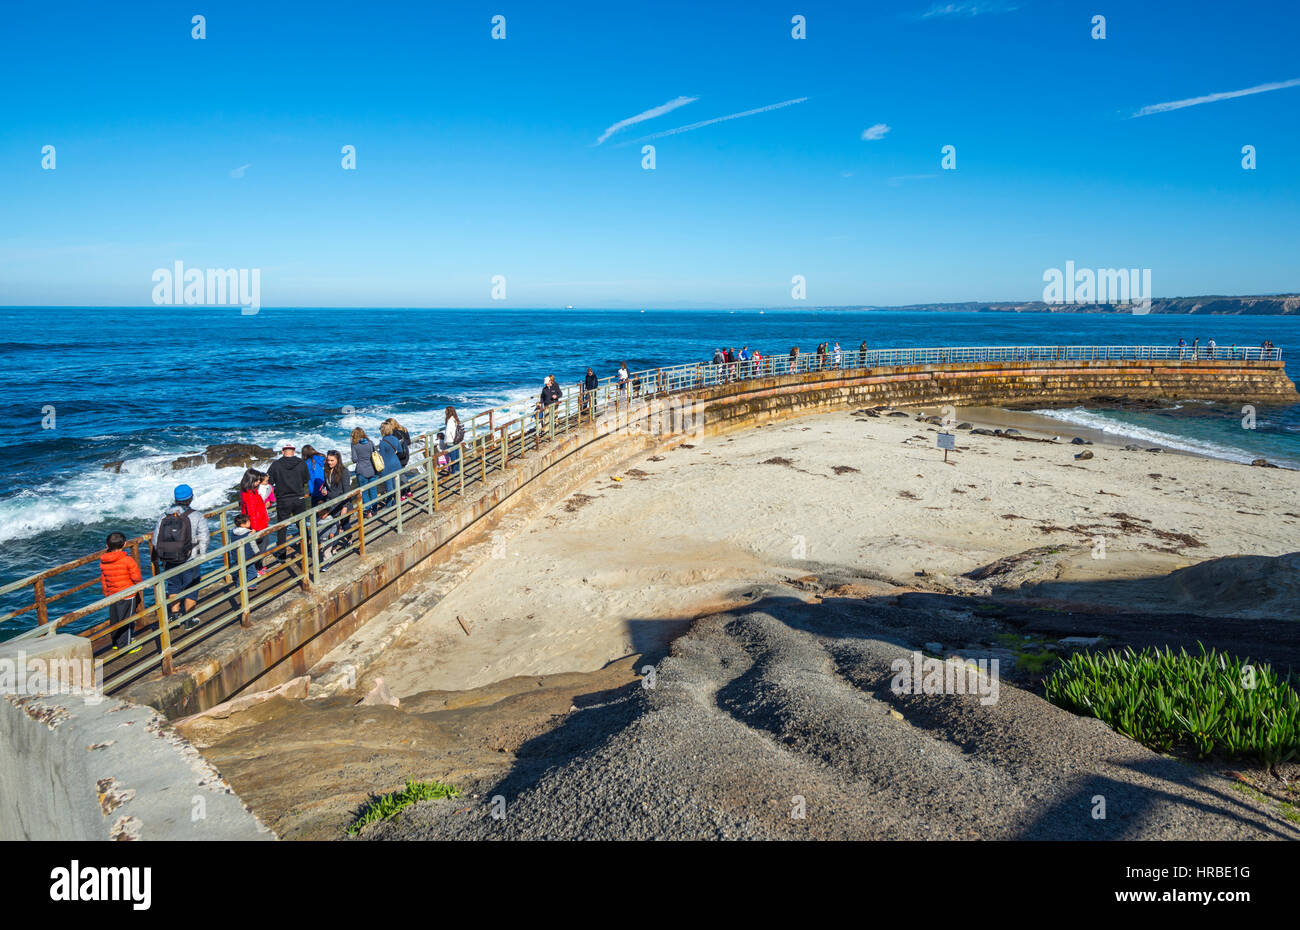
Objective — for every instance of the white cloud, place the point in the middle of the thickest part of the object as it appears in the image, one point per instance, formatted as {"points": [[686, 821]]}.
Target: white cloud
{"points": [[648, 114], [239, 172], [967, 8], [871, 133], [721, 119], [1214, 98]]}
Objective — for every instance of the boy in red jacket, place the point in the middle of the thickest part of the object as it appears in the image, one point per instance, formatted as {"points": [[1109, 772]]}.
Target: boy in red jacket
{"points": [[117, 572]]}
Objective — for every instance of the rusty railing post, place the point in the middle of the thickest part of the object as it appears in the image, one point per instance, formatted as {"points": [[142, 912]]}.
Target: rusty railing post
{"points": [[164, 634], [244, 620], [397, 497], [361, 526], [42, 609], [302, 542]]}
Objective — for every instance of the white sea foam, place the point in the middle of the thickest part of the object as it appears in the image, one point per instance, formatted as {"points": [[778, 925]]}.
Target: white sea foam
{"points": [[1151, 437], [143, 487]]}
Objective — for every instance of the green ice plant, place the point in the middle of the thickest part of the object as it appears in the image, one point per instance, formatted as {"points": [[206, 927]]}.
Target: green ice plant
{"points": [[388, 805], [1166, 700]]}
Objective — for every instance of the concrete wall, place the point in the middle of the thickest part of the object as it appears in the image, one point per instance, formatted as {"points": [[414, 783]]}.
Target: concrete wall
{"points": [[88, 767], [283, 646]]}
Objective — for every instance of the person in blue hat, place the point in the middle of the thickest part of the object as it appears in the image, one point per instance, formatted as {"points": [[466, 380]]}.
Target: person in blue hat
{"points": [[180, 539]]}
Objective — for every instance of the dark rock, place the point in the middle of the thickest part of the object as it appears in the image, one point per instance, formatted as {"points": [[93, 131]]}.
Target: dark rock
{"points": [[115, 467], [241, 454], [227, 455]]}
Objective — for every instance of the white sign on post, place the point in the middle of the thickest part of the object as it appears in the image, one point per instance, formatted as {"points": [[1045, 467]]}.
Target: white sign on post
{"points": [[947, 442]]}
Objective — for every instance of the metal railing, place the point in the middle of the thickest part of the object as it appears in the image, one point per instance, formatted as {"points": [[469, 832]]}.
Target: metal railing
{"points": [[233, 583]]}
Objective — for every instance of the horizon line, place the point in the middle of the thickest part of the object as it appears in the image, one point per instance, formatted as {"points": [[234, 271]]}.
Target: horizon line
{"points": [[633, 308]]}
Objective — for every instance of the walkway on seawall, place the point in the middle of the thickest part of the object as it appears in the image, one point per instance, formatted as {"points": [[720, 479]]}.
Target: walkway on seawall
{"points": [[251, 636]]}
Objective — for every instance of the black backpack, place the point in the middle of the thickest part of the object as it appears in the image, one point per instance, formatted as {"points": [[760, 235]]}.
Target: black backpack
{"points": [[460, 434], [174, 541], [403, 450]]}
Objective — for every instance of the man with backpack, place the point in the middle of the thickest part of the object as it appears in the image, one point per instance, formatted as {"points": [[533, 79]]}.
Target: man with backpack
{"points": [[180, 537], [290, 479]]}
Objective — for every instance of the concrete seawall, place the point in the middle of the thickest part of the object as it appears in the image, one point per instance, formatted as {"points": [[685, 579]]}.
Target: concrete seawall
{"points": [[88, 767], [287, 643]]}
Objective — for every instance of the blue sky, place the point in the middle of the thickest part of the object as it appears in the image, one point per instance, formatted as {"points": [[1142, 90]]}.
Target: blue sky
{"points": [[478, 157]]}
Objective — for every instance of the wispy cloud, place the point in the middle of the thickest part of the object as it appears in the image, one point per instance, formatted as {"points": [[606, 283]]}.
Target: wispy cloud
{"points": [[648, 114], [239, 172], [722, 119], [968, 8], [871, 133], [1214, 98]]}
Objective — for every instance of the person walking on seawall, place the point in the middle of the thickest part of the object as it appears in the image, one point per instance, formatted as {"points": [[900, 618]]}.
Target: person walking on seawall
{"points": [[455, 436], [590, 384], [862, 354], [389, 447], [551, 394], [253, 505], [404, 452], [1182, 349], [838, 356], [622, 380], [242, 532], [315, 463], [363, 451], [290, 479], [1210, 347], [180, 537], [1196, 348], [335, 490], [117, 572]]}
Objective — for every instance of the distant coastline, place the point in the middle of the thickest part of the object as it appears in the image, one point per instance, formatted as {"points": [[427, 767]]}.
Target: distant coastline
{"points": [[1261, 305], [1213, 305]]}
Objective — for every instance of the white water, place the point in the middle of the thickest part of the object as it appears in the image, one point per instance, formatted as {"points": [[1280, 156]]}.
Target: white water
{"points": [[143, 488], [1151, 437]]}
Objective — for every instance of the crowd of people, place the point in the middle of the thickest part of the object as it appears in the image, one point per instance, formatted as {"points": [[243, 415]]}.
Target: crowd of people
{"points": [[292, 484], [1212, 350]]}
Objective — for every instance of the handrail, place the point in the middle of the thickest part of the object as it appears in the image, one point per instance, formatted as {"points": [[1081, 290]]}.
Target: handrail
{"points": [[488, 447]]}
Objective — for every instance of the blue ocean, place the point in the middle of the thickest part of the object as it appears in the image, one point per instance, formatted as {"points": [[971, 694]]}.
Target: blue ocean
{"points": [[85, 387]]}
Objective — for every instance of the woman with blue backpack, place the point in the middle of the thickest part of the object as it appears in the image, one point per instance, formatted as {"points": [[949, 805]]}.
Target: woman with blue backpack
{"points": [[315, 472], [390, 447]]}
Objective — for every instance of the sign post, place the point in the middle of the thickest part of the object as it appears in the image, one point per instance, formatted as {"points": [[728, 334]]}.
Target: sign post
{"points": [[946, 442]]}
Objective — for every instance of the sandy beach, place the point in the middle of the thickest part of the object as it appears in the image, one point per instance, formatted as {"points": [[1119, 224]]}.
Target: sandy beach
{"points": [[802, 557]]}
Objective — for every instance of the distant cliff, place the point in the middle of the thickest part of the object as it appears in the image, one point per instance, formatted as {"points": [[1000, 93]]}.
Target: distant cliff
{"points": [[1274, 305]]}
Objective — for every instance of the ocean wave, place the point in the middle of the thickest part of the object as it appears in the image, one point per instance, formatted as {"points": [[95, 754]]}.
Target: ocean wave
{"points": [[142, 488], [1090, 419]]}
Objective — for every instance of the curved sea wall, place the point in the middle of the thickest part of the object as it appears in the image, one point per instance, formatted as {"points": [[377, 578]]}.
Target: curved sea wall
{"points": [[288, 642]]}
